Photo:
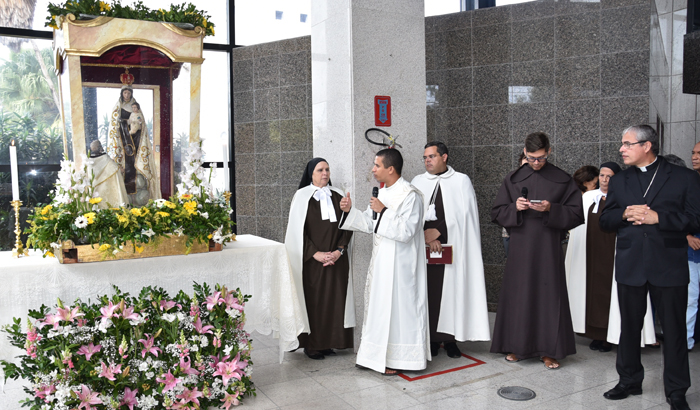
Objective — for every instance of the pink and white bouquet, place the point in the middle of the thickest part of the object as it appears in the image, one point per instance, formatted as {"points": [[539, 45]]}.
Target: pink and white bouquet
{"points": [[147, 352]]}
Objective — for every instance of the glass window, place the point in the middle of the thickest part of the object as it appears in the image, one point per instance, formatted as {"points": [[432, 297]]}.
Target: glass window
{"points": [[263, 21], [438, 7]]}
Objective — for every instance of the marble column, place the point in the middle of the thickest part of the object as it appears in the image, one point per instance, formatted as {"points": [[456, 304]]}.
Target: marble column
{"points": [[360, 49]]}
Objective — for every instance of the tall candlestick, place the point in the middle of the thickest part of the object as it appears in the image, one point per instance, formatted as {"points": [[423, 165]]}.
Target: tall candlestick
{"points": [[13, 168], [226, 175]]}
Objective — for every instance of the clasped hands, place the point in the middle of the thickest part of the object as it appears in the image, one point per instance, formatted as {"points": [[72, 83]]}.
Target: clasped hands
{"points": [[523, 204], [327, 258], [375, 204], [640, 215], [431, 239]]}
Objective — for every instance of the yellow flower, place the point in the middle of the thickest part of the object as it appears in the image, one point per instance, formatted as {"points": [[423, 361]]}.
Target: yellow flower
{"points": [[139, 249], [49, 254], [145, 211], [163, 214], [90, 217], [122, 219], [95, 200], [185, 196], [204, 23], [44, 218], [209, 236], [191, 207], [169, 204], [103, 6], [45, 210], [136, 211], [104, 247], [212, 32]]}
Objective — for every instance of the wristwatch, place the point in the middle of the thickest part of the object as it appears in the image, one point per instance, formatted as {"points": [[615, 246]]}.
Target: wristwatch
{"points": [[341, 250]]}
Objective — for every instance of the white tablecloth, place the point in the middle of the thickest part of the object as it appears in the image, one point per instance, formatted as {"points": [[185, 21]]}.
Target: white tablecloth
{"points": [[259, 267]]}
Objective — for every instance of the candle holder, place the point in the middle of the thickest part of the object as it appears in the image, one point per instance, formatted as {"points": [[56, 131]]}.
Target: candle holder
{"points": [[227, 196], [19, 249]]}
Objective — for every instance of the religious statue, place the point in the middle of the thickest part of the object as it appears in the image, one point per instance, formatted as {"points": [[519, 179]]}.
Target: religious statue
{"points": [[108, 182], [130, 147]]}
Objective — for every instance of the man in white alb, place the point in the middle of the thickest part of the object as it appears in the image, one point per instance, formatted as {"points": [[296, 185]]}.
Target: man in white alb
{"points": [[395, 329], [456, 291]]}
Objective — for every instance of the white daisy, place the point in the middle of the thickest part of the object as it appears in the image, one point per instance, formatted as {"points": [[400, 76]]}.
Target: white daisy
{"points": [[204, 214], [148, 232], [81, 222]]}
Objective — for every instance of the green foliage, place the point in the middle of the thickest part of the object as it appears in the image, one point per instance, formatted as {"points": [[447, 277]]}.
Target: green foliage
{"points": [[178, 13], [123, 342]]}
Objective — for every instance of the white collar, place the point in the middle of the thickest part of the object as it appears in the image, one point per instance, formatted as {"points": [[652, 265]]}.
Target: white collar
{"points": [[644, 168], [323, 196]]}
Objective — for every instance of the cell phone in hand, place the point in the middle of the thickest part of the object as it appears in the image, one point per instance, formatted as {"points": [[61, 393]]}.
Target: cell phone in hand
{"points": [[535, 201]]}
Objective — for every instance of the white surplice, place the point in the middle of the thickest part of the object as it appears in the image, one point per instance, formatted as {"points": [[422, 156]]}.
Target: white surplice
{"points": [[575, 264], [463, 308], [395, 330]]}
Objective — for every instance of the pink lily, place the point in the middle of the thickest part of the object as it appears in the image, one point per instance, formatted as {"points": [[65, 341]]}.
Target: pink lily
{"points": [[45, 391], [213, 300], [88, 398], [169, 381], [190, 396], [230, 370], [148, 346], [108, 311], [129, 314], [89, 350], [68, 314], [186, 368], [230, 400], [232, 303], [109, 372], [49, 320], [129, 398], [217, 360], [167, 305], [202, 329]]}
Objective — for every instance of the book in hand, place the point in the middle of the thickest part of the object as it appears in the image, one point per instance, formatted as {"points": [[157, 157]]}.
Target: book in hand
{"points": [[439, 258]]}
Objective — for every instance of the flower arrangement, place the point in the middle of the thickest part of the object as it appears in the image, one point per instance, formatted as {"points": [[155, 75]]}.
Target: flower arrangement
{"points": [[145, 352], [182, 13], [77, 213]]}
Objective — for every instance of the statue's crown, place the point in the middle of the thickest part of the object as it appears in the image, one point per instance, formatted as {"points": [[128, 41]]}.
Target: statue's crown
{"points": [[126, 78]]}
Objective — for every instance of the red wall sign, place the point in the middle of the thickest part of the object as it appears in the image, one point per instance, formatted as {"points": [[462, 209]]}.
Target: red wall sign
{"points": [[382, 110]]}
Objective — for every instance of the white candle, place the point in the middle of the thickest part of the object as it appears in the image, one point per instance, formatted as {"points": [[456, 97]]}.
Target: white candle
{"points": [[15, 175], [226, 175]]}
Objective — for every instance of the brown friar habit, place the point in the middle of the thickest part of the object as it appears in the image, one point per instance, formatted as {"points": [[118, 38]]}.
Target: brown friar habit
{"points": [[600, 261], [325, 288], [436, 274], [533, 316]]}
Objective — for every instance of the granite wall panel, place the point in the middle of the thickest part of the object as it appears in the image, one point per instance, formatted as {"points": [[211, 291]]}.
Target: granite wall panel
{"points": [[272, 116], [576, 70]]}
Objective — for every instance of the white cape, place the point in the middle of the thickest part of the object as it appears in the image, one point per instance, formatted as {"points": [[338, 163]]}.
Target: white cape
{"points": [[395, 331], [575, 263], [294, 242], [463, 308], [108, 182]]}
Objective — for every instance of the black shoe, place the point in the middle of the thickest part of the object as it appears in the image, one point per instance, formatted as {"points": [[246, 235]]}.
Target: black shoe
{"points": [[678, 403], [312, 354], [327, 352], [604, 347], [621, 391], [453, 350], [595, 345], [434, 348]]}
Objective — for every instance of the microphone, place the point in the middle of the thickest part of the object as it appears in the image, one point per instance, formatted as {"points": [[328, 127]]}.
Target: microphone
{"points": [[523, 192], [375, 193]]}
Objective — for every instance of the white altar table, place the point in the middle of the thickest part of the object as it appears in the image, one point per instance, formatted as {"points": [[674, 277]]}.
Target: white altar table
{"points": [[259, 267]]}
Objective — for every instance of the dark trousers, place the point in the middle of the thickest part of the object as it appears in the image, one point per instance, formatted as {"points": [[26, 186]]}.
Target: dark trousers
{"points": [[671, 303]]}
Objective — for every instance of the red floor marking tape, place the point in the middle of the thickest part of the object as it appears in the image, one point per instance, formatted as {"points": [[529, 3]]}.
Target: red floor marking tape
{"points": [[477, 362]]}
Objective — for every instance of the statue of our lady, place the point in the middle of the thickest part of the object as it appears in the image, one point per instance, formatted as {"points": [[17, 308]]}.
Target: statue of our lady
{"points": [[130, 147]]}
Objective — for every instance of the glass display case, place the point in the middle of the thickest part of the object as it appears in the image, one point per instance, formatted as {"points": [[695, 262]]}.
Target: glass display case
{"points": [[117, 80]]}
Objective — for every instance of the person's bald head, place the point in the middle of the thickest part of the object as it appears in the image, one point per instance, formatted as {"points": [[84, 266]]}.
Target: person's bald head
{"points": [[695, 157]]}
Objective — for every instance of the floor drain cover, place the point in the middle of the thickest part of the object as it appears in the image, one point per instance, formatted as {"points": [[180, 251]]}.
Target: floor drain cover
{"points": [[516, 393]]}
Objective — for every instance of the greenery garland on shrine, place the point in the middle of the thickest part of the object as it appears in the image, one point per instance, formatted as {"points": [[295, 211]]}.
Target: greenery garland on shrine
{"points": [[180, 13]]}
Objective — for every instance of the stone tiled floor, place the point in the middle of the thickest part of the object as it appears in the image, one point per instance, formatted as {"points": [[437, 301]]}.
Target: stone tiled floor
{"points": [[335, 383]]}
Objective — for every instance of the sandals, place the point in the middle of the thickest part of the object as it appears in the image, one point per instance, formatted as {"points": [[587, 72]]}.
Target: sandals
{"points": [[513, 358], [390, 372], [549, 363]]}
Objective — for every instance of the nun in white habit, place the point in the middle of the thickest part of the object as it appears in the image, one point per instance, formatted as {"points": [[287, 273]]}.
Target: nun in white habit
{"points": [[319, 257]]}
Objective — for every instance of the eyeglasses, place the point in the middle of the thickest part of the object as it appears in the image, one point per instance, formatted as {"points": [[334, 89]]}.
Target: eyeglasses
{"points": [[628, 145], [431, 156], [536, 159]]}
